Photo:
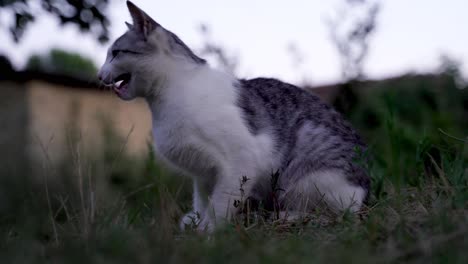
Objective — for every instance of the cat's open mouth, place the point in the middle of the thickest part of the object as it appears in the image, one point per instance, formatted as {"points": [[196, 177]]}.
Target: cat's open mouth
{"points": [[121, 82]]}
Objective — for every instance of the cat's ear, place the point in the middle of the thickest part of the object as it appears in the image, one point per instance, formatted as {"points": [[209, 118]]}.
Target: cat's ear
{"points": [[142, 23], [129, 26]]}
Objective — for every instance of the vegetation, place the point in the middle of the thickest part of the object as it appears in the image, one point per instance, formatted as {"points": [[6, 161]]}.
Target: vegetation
{"points": [[108, 207], [112, 208], [88, 15], [63, 62]]}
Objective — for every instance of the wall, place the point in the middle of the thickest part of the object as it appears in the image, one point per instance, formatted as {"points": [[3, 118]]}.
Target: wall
{"points": [[43, 120]]}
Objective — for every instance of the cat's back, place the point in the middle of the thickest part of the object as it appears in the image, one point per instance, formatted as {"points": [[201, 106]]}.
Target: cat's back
{"points": [[266, 102], [309, 134]]}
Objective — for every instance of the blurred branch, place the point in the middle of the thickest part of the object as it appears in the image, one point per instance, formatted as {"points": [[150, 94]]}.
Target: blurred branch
{"points": [[350, 30], [88, 15], [298, 58], [217, 52]]}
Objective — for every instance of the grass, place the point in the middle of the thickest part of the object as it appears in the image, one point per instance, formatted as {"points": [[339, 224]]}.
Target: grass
{"points": [[112, 208]]}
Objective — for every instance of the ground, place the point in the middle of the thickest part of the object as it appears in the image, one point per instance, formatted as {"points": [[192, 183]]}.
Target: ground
{"points": [[113, 208]]}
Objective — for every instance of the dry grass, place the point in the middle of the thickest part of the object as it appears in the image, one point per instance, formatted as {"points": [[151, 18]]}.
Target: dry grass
{"points": [[109, 207], [410, 224]]}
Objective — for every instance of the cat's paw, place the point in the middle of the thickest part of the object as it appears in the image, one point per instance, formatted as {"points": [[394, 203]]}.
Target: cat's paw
{"points": [[190, 221], [206, 225]]}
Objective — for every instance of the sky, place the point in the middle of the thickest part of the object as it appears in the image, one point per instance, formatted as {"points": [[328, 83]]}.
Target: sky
{"points": [[411, 35]]}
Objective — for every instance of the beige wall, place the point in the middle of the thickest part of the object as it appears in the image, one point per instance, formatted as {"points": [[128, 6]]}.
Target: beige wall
{"points": [[52, 111]]}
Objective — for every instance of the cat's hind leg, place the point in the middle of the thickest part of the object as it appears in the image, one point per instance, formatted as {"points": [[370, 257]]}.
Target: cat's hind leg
{"points": [[329, 187]]}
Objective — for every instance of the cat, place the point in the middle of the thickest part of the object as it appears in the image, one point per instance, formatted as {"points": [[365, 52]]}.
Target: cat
{"points": [[219, 129]]}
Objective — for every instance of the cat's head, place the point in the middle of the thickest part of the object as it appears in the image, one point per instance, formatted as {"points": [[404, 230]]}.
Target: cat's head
{"points": [[144, 57]]}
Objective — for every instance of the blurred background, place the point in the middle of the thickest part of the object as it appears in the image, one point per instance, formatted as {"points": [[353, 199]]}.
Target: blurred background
{"points": [[71, 153]]}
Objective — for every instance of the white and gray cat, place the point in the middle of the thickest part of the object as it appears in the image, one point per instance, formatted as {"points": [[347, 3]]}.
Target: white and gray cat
{"points": [[217, 129]]}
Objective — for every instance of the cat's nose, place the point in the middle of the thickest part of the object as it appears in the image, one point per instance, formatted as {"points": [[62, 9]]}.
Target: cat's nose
{"points": [[99, 76]]}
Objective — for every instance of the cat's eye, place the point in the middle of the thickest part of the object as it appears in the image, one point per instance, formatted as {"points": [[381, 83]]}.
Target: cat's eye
{"points": [[116, 52]]}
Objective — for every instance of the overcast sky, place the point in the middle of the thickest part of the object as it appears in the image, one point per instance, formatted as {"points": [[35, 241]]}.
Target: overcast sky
{"points": [[411, 35]]}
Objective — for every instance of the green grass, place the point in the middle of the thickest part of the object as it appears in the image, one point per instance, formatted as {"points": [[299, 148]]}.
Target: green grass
{"points": [[112, 208]]}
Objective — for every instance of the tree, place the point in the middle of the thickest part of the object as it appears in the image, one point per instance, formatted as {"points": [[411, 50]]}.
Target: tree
{"points": [[63, 62], [88, 15]]}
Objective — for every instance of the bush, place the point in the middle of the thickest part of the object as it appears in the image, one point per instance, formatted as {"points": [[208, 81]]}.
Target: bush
{"points": [[63, 62]]}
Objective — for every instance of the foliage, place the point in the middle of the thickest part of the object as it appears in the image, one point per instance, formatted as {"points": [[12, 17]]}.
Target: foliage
{"points": [[88, 15], [63, 62], [115, 208]]}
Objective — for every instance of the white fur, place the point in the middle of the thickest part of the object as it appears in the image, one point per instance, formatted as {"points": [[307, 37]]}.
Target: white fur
{"points": [[197, 112], [198, 128], [330, 187]]}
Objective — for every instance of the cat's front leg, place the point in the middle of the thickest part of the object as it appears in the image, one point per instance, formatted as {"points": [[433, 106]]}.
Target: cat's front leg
{"points": [[193, 218], [222, 203]]}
